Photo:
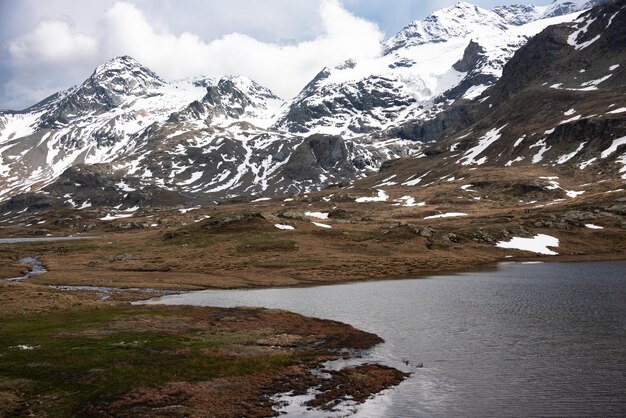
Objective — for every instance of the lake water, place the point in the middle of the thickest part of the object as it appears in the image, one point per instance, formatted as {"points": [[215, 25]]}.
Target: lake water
{"points": [[38, 239], [544, 339]]}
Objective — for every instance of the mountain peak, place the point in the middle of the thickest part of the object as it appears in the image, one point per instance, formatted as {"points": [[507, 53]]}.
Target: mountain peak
{"points": [[563, 7], [124, 74], [465, 18], [247, 86], [118, 80], [463, 5], [118, 63], [444, 24]]}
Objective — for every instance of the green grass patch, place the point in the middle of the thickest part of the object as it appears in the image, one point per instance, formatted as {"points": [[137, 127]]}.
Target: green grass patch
{"points": [[77, 360]]}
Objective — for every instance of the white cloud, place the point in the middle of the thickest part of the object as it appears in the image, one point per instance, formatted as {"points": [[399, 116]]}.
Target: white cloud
{"points": [[126, 30], [283, 68], [52, 41]]}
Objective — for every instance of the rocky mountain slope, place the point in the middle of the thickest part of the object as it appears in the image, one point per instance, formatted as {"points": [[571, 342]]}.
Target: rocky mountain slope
{"points": [[126, 138], [561, 101], [192, 136]]}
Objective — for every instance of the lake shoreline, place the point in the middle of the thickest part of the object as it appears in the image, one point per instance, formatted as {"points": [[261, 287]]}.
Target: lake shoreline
{"points": [[278, 352], [481, 336], [146, 289]]}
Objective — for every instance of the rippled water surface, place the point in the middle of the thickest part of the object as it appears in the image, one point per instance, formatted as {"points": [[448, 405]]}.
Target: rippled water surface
{"points": [[523, 340]]}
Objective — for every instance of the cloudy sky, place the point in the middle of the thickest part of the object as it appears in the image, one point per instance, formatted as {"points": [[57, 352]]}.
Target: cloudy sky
{"points": [[47, 46]]}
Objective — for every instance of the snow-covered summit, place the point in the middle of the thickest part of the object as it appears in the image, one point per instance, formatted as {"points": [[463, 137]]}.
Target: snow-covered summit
{"points": [[125, 75], [445, 24], [562, 7], [464, 18]]}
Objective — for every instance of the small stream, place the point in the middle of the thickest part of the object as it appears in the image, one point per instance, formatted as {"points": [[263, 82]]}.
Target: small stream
{"points": [[36, 268], [104, 293]]}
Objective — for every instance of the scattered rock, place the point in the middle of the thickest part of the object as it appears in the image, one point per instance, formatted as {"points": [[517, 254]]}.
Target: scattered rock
{"points": [[295, 215], [426, 232], [452, 237]]}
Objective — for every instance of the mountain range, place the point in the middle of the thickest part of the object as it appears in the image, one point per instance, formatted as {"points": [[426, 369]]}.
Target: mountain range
{"points": [[466, 86]]}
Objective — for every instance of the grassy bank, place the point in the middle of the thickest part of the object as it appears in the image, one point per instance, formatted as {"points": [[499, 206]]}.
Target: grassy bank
{"points": [[123, 360]]}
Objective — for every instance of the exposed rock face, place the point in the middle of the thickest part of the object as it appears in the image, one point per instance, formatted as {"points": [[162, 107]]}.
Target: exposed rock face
{"points": [[559, 53], [97, 185], [316, 155], [473, 53], [433, 129], [332, 106]]}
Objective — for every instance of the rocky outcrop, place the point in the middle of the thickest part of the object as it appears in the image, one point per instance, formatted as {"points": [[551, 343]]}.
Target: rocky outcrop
{"points": [[317, 155]]}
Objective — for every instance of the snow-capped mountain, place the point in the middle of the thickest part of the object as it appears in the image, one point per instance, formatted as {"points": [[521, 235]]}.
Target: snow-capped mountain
{"points": [[456, 52], [95, 122], [125, 135], [203, 136], [465, 19], [561, 101]]}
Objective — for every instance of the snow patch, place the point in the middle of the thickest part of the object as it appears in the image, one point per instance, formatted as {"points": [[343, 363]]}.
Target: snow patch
{"points": [[185, 210], [572, 119], [284, 227], [538, 244], [519, 141], [585, 164], [511, 162], [616, 143], [446, 215], [573, 194], [565, 158], [489, 138], [112, 216], [594, 83], [409, 201], [194, 178], [321, 225], [381, 197], [572, 39], [539, 156], [318, 215], [413, 182], [475, 91], [24, 347]]}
